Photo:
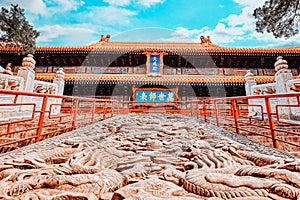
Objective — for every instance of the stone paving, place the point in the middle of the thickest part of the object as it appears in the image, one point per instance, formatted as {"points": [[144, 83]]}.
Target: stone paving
{"points": [[153, 156]]}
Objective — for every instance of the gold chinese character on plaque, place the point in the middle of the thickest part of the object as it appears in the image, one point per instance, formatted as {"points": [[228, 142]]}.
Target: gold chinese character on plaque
{"points": [[144, 96], [161, 96], [152, 96], [170, 96], [154, 63]]}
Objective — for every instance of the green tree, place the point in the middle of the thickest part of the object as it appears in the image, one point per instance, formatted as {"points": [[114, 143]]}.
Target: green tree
{"points": [[279, 17], [16, 30]]}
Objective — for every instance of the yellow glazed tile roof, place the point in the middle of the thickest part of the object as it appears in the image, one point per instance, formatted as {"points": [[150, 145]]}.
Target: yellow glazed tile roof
{"points": [[191, 48]]}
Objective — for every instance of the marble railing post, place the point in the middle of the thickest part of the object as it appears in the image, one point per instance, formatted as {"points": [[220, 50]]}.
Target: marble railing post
{"points": [[293, 86], [282, 76], [250, 81], [59, 80], [27, 72]]}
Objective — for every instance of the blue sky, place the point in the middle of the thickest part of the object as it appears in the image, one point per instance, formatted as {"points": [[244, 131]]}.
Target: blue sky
{"points": [[80, 22]]}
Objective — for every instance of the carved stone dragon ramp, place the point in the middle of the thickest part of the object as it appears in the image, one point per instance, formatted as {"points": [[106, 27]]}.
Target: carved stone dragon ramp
{"points": [[153, 157]]}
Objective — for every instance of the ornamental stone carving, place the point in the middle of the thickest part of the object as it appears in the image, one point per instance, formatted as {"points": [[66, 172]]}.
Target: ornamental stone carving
{"points": [[11, 82], [281, 64], [249, 76], [8, 69], [154, 156], [28, 62], [45, 87], [60, 74], [294, 84]]}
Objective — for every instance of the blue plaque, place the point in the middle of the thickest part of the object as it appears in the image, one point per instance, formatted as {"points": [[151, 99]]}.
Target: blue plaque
{"points": [[155, 64], [155, 96]]}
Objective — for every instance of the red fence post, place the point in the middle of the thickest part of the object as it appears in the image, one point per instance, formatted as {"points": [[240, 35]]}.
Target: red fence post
{"points": [[94, 110], [271, 123], [204, 111], [235, 116], [112, 109], [75, 114], [104, 110], [217, 113], [41, 119], [16, 99], [119, 107], [197, 108], [191, 108], [9, 125]]}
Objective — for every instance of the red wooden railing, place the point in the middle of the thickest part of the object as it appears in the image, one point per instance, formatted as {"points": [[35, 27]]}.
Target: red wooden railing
{"points": [[268, 126], [17, 131], [229, 113]]}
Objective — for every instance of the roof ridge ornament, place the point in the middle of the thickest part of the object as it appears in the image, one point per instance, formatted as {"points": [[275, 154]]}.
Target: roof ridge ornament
{"points": [[104, 39], [205, 40]]}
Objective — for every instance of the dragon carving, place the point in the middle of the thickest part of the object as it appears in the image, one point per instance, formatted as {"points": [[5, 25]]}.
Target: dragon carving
{"points": [[147, 156]]}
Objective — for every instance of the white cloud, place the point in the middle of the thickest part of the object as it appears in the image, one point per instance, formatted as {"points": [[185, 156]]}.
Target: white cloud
{"points": [[222, 35], [219, 35], [243, 19], [149, 3], [33, 6], [44, 7], [182, 34], [275, 42], [109, 15], [118, 2], [237, 28], [247, 21], [56, 6], [90, 22], [71, 34], [69, 4], [96, 19], [250, 3]]}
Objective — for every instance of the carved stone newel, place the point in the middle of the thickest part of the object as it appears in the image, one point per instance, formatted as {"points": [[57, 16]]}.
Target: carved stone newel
{"points": [[283, 74], [27, 72], [250, 81], [59, 80], [8, 70]]}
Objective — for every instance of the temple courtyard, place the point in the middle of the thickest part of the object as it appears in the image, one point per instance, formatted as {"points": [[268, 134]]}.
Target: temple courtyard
{"points": [[149, 156]]}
